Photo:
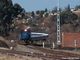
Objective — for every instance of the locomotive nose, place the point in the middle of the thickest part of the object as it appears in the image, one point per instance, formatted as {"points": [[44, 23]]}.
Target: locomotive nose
{"points": [[25, 34]]}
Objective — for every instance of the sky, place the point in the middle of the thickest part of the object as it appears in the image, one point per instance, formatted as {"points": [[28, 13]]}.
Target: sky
{"points": [[33, 5]]}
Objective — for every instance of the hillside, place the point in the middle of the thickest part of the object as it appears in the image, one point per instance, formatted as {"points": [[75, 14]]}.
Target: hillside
{"points": [[14, 16]]}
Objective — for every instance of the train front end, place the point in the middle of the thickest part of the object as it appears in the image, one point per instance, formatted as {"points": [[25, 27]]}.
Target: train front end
{"points": [[25, 35]]}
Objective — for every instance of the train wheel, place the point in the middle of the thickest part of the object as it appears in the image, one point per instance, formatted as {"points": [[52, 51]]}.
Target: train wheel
{"points": [[28, 42]]}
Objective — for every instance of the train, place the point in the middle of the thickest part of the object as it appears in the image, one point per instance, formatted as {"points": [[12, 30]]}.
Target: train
{"points": [[27, 36]]}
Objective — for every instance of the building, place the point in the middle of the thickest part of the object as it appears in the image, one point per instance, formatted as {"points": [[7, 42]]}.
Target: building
{"points": [[70, 40]]}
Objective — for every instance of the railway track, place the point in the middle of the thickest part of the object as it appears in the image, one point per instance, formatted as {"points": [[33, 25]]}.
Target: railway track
{"points": [[30, 54], [56, 54], [46, 55]]}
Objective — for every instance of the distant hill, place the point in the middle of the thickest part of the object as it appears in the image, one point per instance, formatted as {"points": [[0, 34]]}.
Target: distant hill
{"points": [[11, 16]]}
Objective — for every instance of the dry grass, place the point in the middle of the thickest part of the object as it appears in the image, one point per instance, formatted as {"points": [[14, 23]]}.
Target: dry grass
{"points": [[7, 57]]}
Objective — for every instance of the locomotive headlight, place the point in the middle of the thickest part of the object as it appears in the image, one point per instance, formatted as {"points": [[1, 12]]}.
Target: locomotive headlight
{"points": [[25, 30]]}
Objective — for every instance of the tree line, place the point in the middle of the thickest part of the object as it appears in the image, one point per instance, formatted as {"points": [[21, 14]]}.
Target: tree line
{"points": [[8, 12]]}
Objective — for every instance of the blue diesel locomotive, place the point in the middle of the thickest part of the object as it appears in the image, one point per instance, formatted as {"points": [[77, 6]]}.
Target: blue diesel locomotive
{"points": [[28, 36]]}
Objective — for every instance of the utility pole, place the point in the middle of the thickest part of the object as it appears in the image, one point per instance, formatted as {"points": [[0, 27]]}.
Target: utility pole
{"points": [[58, 26]]}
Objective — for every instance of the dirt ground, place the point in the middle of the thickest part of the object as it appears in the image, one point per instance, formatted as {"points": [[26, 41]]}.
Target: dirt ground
{"points": [[17, 57]]}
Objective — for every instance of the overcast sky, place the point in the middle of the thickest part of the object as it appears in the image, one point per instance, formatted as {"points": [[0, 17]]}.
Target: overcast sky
{"points": [[33, 5]]}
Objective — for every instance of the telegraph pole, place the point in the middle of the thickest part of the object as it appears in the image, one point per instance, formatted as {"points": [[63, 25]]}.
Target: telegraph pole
{"points": [[58, 26]]}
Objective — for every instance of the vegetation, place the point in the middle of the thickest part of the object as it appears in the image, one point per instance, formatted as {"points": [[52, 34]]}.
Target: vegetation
{"points": [[67, 17], [8, 11], [77, 7], [40, 20]]}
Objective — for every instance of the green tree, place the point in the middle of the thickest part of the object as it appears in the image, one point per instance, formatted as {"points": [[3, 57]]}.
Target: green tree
{"points": [[32, 14], [68, 8], [77, 7], [41, 13], [54, 10], [7, 12], [38, 12], [46, 10], [67, 17]]}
